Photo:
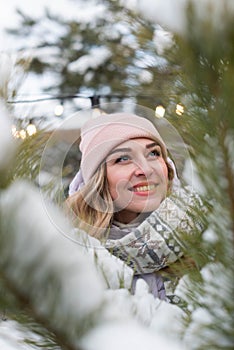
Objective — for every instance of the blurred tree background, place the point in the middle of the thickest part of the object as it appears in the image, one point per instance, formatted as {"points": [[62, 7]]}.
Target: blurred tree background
{"points": [[204, 84], [109, 50]]}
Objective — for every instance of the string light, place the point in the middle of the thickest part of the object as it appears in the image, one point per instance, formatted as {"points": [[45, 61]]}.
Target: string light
{"points": [[31, 129], [58, 111], [95, 99], [160, 111], [14, 131], [95, 105], [95, 102], [179, 109], [60, 98], [22, 133]]}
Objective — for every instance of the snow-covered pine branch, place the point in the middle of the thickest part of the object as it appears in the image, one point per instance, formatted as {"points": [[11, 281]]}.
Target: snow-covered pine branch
{"points": [[59, 282]]}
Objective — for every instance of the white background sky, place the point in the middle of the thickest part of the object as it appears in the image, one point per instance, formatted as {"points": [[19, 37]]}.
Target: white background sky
{"points": [[159, 9], [9, 18]]}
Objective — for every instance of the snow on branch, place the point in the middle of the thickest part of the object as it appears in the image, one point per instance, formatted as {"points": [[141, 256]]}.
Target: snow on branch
{"points": [[172, 14], [52, 275], [43, 266], [7, 145]]}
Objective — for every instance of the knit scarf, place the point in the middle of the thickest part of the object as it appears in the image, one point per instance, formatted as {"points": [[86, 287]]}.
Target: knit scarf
{"points": [[156, 241], [154, 280]]}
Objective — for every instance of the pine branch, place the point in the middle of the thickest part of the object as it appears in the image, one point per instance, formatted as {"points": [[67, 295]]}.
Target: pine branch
{"points": [[24, 303], [38, 275], [224, 142]]}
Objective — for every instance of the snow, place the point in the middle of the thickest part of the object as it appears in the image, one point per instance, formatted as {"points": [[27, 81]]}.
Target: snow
{"points": [[12, 72], [50, 28], [46, 54], [191, 176], [28, 243], [171, 14], [6, 63], [9, 17], [13, 335], [7, 144], [168, 13], [96, 57], [157, 317], [125, 335], [89, 12], [163, 40], [113, 271], [55, 265], [211, 320], [210, 236], [145, 77], [217, 276], [229, 143]]}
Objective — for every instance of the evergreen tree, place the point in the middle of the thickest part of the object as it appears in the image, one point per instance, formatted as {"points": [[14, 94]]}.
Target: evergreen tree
{"points": [[108, 50], [204, 85]]}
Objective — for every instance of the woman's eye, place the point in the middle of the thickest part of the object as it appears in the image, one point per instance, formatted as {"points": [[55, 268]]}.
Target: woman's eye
{"points": [[122, 159], [155, 153]]}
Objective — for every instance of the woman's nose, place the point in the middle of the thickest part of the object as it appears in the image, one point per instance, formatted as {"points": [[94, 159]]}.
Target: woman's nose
{"points": [[143, 168]]}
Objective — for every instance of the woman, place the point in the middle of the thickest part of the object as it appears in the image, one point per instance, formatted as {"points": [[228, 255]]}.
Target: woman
{"points": [[123, 195]]}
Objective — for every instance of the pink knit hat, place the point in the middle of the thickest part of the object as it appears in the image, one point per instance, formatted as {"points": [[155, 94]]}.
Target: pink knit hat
{"points": [[101, 135]]}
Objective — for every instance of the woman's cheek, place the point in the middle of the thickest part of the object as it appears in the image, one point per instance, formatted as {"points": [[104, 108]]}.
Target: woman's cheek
{"points": [[164, 168]]}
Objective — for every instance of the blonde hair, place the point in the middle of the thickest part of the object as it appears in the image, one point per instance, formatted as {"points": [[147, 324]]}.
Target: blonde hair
{"points": [[92, 206]]}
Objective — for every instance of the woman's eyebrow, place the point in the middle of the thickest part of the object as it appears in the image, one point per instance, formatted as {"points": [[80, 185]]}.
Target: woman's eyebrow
{"points": [[150, 145], [127, 149]]}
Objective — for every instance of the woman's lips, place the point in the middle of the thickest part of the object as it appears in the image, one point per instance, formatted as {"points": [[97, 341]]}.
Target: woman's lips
{"points": [[143, 188]]}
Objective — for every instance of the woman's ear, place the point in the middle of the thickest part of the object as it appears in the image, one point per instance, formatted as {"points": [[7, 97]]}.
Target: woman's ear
{"points": [[171, 171], [172, 174]]}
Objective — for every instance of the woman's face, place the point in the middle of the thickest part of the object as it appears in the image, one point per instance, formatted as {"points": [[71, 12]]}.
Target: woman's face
{"points": [[137, 177]]}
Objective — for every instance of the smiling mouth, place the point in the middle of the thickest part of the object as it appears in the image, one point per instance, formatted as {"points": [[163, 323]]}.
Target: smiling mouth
{"points": [[145, 188]]}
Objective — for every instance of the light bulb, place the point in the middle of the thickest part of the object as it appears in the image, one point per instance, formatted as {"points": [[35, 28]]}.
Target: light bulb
{"points": [[31, 129], [160, 111], [22, 134], [58, 111], [14, 131], [179, 109]]}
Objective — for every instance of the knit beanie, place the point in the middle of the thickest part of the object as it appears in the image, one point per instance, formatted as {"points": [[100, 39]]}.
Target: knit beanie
{"points": [[99, 136]]}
